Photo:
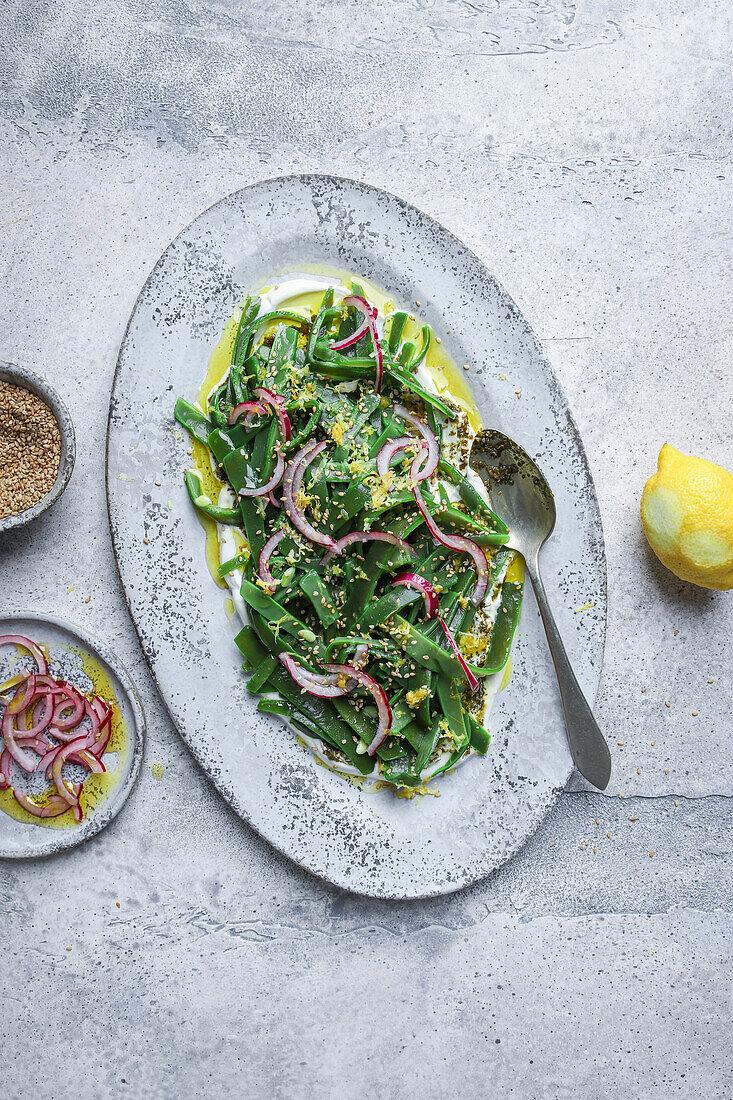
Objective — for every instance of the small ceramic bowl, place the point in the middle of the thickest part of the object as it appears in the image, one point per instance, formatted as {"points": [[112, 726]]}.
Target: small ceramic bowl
{"points": [[20, 376]]}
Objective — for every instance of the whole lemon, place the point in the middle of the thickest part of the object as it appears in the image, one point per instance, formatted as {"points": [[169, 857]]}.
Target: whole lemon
{"points": [[687, 515]]}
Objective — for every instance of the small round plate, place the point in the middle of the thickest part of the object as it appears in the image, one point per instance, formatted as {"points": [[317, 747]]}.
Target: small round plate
{"points": [[68, 647]]}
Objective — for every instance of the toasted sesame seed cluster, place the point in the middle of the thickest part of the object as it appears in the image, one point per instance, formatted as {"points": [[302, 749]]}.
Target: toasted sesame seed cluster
{"points": [[30, 449]]}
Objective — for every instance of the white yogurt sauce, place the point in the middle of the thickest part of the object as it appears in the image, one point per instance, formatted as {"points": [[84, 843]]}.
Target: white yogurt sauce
{"points": [[291, 286]]}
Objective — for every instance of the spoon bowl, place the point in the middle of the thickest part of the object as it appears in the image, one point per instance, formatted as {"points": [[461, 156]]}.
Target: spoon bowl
{"points": [[522, 498], [518, 488]]}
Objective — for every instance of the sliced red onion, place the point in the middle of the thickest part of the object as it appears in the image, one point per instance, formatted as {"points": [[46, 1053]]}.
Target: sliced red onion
{"points": [[76, 751], [421, 585], [104, 714], [6, 761], [89, 757], [102, 710], [370, 316], [326, 687], [89, 760], [273, 499], [472, 681], [102, 738], [39, 744], [53, 808], [369, 536], [389, 450], [65, 789], [361, 330], [13, 682], [300, 462], [73, 700], [50, 707], [278, 404], [44, 764], [461, 545], [35, 651], [56, 687], [10, 733], [430, 464], [85, 741], [263, 568], [92, 733], [23, 697], [251, 408], [43, 721], [292, 481], [64, 736], [263, 490], [349, 341], [380, 698], [361, 655]]}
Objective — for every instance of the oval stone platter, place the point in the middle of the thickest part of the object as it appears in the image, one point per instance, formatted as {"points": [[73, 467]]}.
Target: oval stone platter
{"points": [[67, 647], [371, 843]]}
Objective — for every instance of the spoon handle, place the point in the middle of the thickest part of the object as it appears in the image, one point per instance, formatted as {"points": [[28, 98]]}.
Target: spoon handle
{"points": [[587, 743]]}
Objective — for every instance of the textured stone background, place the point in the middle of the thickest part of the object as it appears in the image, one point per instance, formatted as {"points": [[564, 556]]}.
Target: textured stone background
{"points": [[582, 149]]}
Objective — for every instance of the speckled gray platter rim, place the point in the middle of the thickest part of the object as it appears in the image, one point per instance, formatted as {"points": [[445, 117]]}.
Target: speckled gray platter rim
{"points": [[21, 376], [55, 841], [376, 886]]}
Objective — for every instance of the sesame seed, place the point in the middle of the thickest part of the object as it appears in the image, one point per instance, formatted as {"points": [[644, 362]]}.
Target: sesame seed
{"points": [[30, 449]]}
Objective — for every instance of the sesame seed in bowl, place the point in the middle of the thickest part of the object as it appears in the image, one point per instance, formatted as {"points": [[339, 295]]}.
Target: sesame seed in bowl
{"points": [[37, 446]]}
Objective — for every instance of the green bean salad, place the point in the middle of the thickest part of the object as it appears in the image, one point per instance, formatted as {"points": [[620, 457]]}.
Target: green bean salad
{"points": [[377, 593]]}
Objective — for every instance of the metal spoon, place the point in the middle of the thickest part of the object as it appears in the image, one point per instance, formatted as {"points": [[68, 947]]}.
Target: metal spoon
{"points": [[522, 497]]}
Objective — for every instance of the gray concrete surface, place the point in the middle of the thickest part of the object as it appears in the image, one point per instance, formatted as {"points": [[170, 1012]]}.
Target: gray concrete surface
{"points": [[582, 149]]}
